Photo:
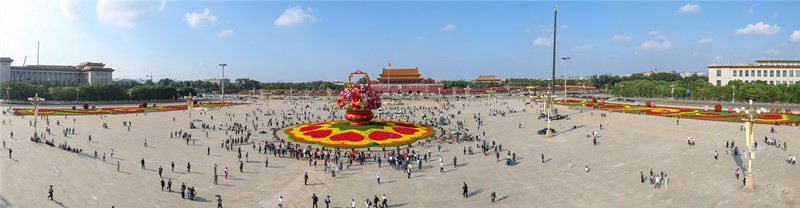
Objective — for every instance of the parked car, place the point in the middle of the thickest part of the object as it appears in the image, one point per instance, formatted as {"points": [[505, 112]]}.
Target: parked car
{"points": [[543, 131]]}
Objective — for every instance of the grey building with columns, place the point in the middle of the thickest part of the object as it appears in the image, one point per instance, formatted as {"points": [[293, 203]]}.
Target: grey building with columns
{"points": [[56, 75]]}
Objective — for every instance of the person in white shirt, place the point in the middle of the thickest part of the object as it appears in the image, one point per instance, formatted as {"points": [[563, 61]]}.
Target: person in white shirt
{"points": [[280, 202], [378, 175], [353, 204]]}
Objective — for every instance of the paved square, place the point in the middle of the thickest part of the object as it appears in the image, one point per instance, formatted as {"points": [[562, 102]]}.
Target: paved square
{"points": [[627, 144]]}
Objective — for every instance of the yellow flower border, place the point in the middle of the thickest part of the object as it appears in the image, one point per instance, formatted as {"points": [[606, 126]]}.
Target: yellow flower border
{"points": [[423, 131]]}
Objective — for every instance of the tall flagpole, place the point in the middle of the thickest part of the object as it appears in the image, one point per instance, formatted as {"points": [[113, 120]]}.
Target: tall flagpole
{"points": [[550, 99]]}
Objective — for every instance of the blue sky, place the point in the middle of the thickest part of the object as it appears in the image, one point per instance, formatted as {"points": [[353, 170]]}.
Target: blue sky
{"points": [[301, 41]]}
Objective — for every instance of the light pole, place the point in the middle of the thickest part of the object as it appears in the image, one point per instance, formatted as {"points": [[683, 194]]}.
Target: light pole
{"points": [[466, 91], [672, 91], [35, 100], [751, 115], [130, 94], [8, 97], [440, 91], [733, 99], [77, 94], [565, 76], [223, 82], [189, 106]]}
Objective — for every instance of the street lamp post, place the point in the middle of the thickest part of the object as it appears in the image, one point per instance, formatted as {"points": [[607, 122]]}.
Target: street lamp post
{"points": [[565, 76], [223, 82], [35, 100], [8, 97], [77, 94], [672, 91], [130, 94], [751, 115], [189, 106], [733, 99]]}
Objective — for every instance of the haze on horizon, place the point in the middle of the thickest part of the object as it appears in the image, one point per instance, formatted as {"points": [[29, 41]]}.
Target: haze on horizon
{"points": [[303, 41]]}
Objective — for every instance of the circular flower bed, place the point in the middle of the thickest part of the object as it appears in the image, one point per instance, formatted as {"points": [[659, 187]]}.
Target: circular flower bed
{"points": [[342, 134]]}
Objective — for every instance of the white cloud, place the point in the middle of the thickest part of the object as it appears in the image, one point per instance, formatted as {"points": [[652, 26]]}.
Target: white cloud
{"points": [[795, 37], [198, 20], [773, 52], [759, 28], [161, 7], [620, 38], [662, 37], [224, 33], [541, 41], [704, 41], [449, 27], [654, 33], [67, 8], [121, 13], [689, 8], [653, 45], [295, 16]]}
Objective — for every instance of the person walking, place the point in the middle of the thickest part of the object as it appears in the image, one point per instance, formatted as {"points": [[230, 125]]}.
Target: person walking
{"points": [[378, 175], [327, 201], [384, 201], [542, 156], [305, 179], [50, 193], [455, 162], [494, 195], [162, 184], [465, 189], [716, 155], [117, 165], [441, 167], [219, 201], [737, 173], [642, 173], [169, 185], [314, 200], [143, 163], [280, 202], [171, 163]]}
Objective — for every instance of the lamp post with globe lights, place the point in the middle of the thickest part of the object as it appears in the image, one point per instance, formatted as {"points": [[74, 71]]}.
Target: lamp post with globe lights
{"points": [[750, 116], [35, 100]]}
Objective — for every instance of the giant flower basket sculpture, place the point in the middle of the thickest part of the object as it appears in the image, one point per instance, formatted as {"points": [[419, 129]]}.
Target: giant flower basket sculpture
{"points": [[358, 101]]}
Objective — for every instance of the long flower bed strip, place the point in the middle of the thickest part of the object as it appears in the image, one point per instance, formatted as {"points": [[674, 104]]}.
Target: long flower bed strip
{"points": [[765, 118], [115, 110]]}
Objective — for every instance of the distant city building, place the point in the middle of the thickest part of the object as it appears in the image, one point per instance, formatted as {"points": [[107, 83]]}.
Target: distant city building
{"points": [[404, 80], [58, 75], [770, 71], [487, 78], [689, 74], [217, 81]]}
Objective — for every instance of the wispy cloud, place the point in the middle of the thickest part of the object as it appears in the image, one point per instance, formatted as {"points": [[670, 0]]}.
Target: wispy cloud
{"points": [[654, 32], [161, 7], [200, 19], [653, 45], [689, 8], [296, 16], [620, 38], [449, 27], [759, 28], [752, 9], [704, 41], [67, 8], [541, 41], [124, 14], [773, 52], [224, 33]]}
